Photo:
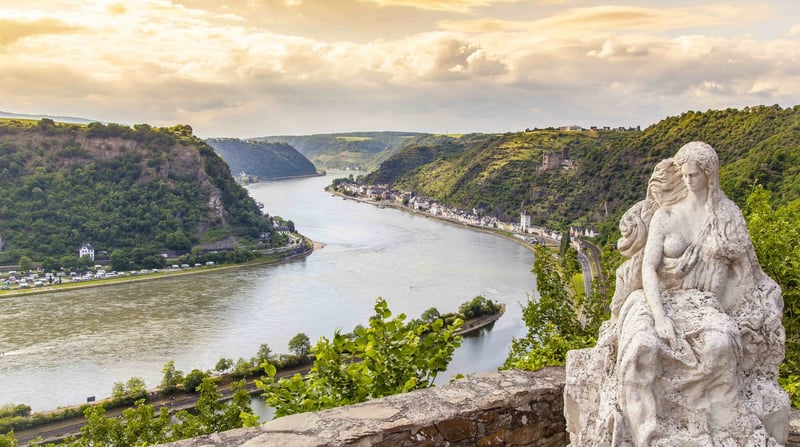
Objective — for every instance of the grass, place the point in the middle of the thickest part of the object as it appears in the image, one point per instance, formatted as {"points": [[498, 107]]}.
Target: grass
{"points": [[354, 138], [164, 273], [577, 284]]}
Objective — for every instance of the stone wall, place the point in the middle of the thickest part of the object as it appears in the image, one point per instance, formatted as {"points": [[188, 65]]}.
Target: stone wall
{"points": [[510, 408]]}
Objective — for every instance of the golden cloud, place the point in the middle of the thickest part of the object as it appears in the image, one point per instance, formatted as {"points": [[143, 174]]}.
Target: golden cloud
{"points": [[461, 6], [13, 30], [576, 21]]}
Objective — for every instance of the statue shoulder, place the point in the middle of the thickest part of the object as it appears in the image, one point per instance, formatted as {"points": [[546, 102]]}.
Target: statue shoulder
{"points": [[729, 212]]}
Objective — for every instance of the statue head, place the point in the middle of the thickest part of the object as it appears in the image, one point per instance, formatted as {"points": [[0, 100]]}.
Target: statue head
{"points": [[704, 157]]}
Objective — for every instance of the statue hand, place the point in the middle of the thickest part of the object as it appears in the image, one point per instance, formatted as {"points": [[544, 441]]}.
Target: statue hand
{"points": [[666, 331]]}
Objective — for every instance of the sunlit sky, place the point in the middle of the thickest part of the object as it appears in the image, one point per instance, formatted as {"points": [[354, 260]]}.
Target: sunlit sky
{"points": [[266, 67]]}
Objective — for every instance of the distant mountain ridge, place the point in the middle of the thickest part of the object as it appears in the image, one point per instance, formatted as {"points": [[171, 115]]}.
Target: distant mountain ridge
{"points": [[603, 171], [353, 150], [60, 119], [262, 159]]}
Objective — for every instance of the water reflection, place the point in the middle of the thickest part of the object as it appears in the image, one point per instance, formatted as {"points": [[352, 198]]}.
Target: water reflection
{"points": [[61, 348]]}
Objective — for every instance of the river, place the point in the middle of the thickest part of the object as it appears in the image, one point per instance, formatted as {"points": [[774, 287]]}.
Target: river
{"points": [[62, 347]]}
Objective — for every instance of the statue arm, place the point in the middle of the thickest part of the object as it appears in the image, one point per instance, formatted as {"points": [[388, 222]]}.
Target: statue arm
{"points": [[653, 254]]}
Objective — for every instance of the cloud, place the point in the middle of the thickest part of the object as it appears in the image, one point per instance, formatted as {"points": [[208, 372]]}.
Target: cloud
{"points": [[616, 18], [460, 6], [12, 30], [249, 68]]}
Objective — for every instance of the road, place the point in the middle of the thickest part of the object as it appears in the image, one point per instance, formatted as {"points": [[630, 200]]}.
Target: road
{"points": [[72, 427], [588, 275]]}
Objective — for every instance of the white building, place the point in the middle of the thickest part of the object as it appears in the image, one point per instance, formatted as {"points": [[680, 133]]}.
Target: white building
{"points": [[86, 250], [524, 221]]}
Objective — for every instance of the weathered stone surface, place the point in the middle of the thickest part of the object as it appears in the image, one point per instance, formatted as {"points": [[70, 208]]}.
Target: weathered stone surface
{"points": [[480, 410], [495, 426], [690, 355], [457, 429]]}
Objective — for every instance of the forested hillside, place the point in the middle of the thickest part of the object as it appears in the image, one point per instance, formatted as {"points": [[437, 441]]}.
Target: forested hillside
{"points": [[264, 160], [501, 172], [147, 188], [364, 150]]}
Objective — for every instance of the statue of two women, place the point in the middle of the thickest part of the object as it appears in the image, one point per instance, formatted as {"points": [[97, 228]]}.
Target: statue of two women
{"points": [[690, 354]]}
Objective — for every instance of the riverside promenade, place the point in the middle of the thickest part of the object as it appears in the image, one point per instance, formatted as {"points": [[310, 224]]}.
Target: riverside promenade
{"points": [[56, 431]]}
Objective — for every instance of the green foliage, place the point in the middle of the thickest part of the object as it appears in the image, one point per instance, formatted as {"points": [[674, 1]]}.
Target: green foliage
{"points": [[264, 160], [300, 345], [223, 365], [11, 410], [430, 315], [264, 354], [8, 440], [172, 377], [138, 426], [477, 307], [244, 367], [143, 425], [25, 264], [129, 392], [210, 415], [776, 238], [498, 173], [389, 356], [193, 379], [338, 151], [116, 187], [557, 322]]}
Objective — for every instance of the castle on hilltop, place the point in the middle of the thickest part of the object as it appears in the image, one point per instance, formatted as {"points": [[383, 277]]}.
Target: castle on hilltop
{"points": [[555, 160]]}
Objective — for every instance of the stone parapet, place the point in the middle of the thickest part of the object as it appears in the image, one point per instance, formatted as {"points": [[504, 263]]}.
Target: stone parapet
{"points": [[509, 408]]}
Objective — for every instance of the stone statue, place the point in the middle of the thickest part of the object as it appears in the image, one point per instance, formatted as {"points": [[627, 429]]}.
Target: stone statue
{"points": [[690, 354]]}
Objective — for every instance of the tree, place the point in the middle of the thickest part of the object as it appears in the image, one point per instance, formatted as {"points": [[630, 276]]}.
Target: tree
{"points": [[477, 307], [387, 357], [242, 367], [554, 320], [193, 380], [142, 425], [139, 425], [68, 262], [430, 315], [223, 365], [50, 264], [172, 377], [25, 264], [118, 391], [129, 392], [210, 415], [120, 260], [264, 354], [136, 388], [300, 345], [8, 440], [776, 239], [84, 262]]}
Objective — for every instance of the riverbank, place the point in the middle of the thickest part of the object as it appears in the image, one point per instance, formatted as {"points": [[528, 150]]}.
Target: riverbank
{"points": [[60, 430], [266, 259], [403, 208]]}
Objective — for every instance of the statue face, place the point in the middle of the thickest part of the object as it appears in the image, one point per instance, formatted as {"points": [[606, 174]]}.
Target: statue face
{"points": [[694, 177]]}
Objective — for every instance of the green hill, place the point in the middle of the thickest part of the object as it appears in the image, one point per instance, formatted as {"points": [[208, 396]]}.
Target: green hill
{"points": [[608, 170], [355, 150], [146, 188], [264, 160]]}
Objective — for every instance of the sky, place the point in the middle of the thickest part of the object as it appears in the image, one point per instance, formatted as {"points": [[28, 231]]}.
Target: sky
{"points": [[274, 67]]}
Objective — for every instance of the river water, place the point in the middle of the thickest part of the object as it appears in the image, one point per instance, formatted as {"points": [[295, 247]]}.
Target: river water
{"points": [[61, 348]]}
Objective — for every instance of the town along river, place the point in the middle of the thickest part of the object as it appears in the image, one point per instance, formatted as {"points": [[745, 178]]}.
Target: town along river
{"points": [[62, 347]]}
